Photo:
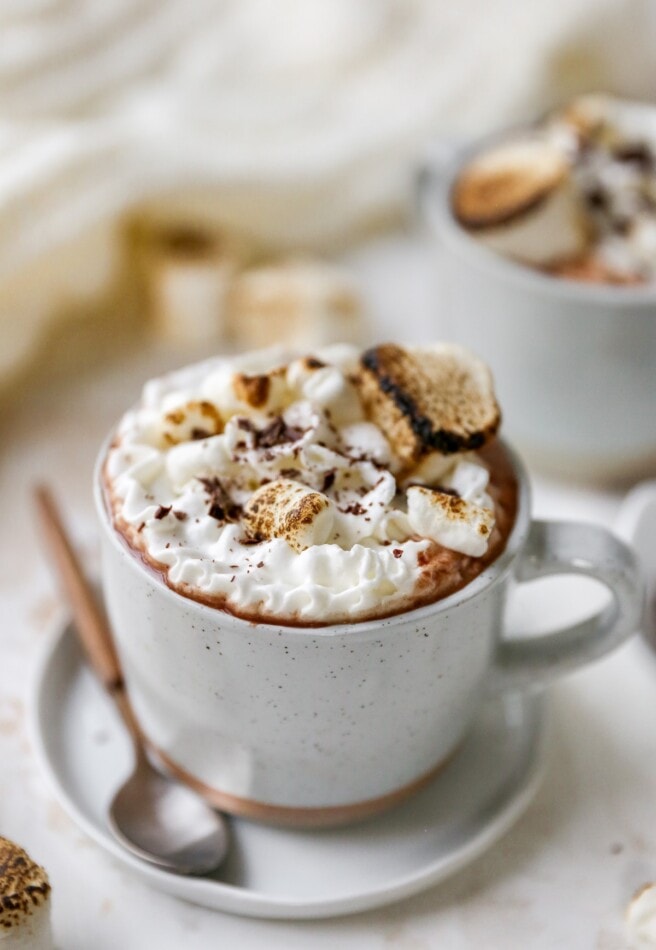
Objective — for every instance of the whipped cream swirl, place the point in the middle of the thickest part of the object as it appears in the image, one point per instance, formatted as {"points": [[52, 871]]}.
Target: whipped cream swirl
{"points": [[259, 483]]}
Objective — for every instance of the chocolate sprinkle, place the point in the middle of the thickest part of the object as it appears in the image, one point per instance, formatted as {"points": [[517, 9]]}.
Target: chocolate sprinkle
{"points": [[277, 433], [353, 509], [637, 153], [222, 508], [328, 480]]}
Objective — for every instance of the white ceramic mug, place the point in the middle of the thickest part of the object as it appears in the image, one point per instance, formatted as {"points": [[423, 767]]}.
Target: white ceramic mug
{"points": [[574, 363], [324, 725]]}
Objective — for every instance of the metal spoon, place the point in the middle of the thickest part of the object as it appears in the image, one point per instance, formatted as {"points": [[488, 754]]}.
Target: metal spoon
{"points": [[153, 816]]}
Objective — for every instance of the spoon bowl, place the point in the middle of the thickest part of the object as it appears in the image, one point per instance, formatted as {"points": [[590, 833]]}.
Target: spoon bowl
{"points": [[167, 824]]}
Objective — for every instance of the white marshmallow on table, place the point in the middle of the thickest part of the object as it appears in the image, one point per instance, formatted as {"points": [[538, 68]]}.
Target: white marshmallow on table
{"points": [[24, 901], [305, 303], [519, 200], [641, 919], [449, 520], [188, 276], [290, 510]]}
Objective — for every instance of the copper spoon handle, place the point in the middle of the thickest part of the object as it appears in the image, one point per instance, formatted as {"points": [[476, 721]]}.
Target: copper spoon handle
{"points": [[90, 624]]}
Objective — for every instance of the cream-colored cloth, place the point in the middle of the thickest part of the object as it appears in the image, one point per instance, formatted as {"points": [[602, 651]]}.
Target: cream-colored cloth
{"points": [[297, 122]]}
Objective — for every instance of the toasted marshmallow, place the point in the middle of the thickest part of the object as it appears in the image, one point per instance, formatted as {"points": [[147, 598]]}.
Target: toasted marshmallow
{"points": [[289, 510], [451, 521], [438, 398], [302, 302], [24, 901], [641, 919], [188, 275], [197, 419], [519, 200], [263, 391], [266, 392]]}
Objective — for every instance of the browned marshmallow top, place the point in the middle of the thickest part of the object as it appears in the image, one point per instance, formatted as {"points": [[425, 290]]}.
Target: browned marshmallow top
{"points": [[507, 181], [24, 886], [434, 401]]}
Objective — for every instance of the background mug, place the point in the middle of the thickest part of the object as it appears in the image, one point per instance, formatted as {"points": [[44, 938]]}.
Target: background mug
{"points": [[323, 725], [574, 363]]}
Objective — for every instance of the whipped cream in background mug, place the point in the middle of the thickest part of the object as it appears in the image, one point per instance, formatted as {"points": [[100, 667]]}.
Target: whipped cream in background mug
{"points": [[306, 561]]}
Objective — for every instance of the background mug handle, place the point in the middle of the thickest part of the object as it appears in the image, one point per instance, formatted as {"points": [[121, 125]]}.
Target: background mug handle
{"points": [[554, 547]]}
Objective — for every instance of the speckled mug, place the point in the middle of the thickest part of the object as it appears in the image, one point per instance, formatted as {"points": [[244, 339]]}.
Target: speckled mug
{"points": [[324, 725], [573, 362]]}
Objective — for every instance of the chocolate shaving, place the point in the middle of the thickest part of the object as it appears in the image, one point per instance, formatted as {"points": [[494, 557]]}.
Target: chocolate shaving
{"points": [[596, 198], [277, 433], [328, 480], [621, 226], [221, 505], [353, 509], [289, 472], [397, 552], [162, 512], [181, 515], [637, 153]]}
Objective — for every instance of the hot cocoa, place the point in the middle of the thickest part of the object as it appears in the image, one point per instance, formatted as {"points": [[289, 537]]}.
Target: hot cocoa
{"points": [[315, 489]]}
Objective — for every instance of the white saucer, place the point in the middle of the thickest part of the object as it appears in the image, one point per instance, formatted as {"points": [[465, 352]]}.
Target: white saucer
{"points": [[299, 874]]}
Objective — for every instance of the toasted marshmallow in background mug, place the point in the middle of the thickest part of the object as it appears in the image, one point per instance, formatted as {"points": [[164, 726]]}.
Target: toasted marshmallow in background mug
{"points": [[518, 199], [24, 901]]}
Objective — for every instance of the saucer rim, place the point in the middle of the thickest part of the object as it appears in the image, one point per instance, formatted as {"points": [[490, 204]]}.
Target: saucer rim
{"points": [[217, 895]]}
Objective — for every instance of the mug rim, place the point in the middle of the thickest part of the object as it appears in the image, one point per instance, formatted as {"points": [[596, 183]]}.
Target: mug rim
{"points": [[434, 185], [488, 577]]}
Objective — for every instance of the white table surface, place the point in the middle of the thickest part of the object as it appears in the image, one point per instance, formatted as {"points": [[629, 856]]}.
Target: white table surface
{"points": [[563, 875]]}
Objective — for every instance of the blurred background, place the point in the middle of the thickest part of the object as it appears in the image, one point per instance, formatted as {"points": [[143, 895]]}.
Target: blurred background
{"points": [[180, 178], [205, 174]]}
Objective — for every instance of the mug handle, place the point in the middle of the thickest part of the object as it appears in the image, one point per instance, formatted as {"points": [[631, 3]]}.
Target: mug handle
{"points": [[561, 547]]}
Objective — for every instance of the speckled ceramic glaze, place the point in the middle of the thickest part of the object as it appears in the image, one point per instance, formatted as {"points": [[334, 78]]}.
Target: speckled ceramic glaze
{"points": [[573, 362], [276, 718]]}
